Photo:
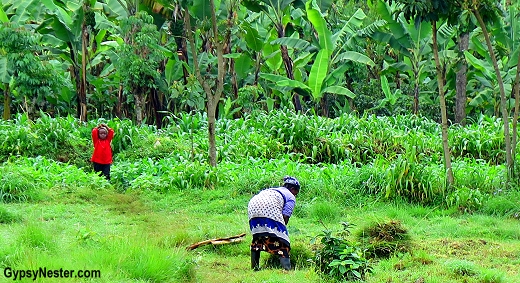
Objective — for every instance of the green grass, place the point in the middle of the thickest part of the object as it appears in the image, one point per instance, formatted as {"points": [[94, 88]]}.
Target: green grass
{"points": [[141, 236], [55, 213]]}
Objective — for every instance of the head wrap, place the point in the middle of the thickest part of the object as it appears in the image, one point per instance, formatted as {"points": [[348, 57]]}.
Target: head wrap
{"points": [[291, 180]]}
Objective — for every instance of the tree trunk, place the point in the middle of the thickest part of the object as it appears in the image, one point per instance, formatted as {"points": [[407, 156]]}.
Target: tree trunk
{"points": [[82, 93], [288, 64], [182, 52], [416, 97], [157, 108], [324, 104], [227, 50], [461, 83], [416, 88], [7, 103], [503, 102], [212, 107], [516, 90], [444, 118], [212, 94], [139, 103], [119, 104]]}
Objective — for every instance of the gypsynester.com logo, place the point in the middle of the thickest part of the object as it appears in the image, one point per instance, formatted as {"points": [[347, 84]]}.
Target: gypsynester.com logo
{"points": [[43, 272]]}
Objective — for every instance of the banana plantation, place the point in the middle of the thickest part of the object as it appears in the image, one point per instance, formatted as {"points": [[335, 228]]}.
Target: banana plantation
{"points": [[148, 61]]}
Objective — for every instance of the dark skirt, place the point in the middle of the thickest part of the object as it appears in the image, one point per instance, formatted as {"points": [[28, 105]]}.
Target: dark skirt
{"points": [[272, 245]]}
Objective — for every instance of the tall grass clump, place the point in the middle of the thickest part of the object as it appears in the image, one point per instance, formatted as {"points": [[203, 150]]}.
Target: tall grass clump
{"points": [[18, 184], [492, 276], [140, 261], [483, 140], [384, 239], [466, 200], [462, 267], [502, 203], [60, 139], [32, 179], [371, 178], [7, 217], [325, 211], [479, 174], [37, 237]]}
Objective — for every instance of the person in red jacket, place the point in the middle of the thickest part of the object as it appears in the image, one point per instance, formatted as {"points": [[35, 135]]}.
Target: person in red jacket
{"points": [[102, 157]]}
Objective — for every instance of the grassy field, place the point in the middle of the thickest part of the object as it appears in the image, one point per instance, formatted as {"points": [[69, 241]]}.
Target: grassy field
{"points": [[163, 197], [142, 236]]}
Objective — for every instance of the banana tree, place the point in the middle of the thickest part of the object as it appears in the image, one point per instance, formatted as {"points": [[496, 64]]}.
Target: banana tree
{"points": [[487, 14], [68, 33], [278, 11], [324, 76], [65, 30], [433, 11], [514, 32], [407, 40], [139, 60]]}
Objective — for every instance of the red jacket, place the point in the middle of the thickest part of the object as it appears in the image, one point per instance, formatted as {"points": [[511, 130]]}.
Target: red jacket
{"points": [[102, 150]]}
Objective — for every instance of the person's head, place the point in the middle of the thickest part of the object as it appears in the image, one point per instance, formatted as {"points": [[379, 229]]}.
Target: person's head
{"points": [[291, 184], [102, 133]]}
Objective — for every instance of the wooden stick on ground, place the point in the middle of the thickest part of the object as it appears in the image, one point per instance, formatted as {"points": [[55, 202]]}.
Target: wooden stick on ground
{"points": [[218, 241]]}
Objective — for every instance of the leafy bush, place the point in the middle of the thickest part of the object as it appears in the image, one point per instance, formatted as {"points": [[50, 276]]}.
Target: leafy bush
{"points": [[340, 258]]}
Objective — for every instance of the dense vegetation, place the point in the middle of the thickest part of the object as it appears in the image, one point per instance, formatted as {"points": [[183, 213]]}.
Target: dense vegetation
{"points": [[382, 177], [399, 117]]}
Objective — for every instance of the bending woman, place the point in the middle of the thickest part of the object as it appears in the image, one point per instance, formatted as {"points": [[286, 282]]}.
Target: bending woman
{"points": [[269, 212]]}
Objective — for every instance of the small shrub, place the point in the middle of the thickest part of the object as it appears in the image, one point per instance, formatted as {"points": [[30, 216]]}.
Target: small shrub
{"points": [[340, 258], [384, 239]]}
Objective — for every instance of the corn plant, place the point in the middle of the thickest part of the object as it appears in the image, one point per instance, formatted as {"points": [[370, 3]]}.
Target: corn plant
{"points": [[413, 182], [465, 199]]}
